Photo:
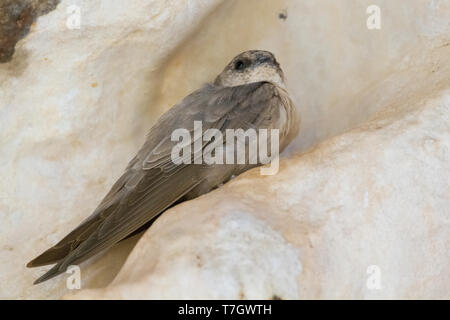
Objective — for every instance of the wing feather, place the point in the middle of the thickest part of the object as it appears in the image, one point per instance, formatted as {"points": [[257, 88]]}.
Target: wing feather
{"points": [[152, 182]]}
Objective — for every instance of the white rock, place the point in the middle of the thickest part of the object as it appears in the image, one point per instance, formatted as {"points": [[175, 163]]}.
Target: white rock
{"points": [[75, 105], [364, 215]]}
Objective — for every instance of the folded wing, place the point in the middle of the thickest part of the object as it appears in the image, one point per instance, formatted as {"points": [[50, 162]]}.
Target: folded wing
{"points": [[152, 182]]}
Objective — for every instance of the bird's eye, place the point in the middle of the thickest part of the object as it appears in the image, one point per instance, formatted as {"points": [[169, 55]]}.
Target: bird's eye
{"points": [[239, 65]]}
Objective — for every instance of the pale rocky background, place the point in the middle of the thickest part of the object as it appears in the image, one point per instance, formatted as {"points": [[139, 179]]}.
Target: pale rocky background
{"points": [[75, 106]]}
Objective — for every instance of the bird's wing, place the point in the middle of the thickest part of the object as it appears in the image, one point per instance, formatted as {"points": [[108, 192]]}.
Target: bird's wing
{"points": [[152, 182]]}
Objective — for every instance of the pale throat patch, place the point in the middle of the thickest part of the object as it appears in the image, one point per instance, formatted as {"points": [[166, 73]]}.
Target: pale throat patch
{"points": [[258, 74]]}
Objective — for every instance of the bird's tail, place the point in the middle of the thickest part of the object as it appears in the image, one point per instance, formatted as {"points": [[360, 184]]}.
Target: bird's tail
{"points": [[50, 256], [53, 272]]}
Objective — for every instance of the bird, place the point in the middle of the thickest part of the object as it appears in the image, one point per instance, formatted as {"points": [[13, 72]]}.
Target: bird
{"points": [[250, 93]]}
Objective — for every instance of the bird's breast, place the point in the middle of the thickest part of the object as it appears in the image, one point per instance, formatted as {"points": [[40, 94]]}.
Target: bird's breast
{"points": [[289, 120]]}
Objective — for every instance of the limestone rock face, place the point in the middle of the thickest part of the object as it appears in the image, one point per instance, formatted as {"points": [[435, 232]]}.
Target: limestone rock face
{"points": [[361, 215], [75, 105], [16, 17]]}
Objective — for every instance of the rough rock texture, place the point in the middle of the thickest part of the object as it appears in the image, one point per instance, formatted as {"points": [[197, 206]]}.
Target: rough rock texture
{"points": [[16, 17], [75, 105], [375, 196]]}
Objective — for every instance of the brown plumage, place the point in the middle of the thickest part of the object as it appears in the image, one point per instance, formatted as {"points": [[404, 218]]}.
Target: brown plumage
{"points": [[249, 93]]}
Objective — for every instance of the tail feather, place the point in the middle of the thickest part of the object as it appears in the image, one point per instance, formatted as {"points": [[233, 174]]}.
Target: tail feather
{"points": [[59, 251], [51, 256], [53, 272]]}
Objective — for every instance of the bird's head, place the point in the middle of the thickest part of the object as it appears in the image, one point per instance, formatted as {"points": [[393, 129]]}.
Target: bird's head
{"points": [[251, 66]]}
